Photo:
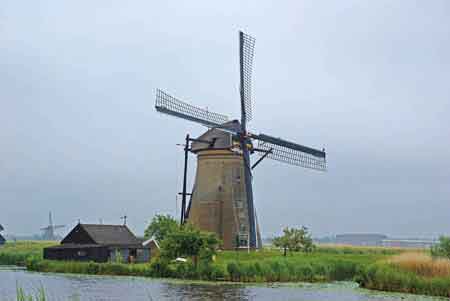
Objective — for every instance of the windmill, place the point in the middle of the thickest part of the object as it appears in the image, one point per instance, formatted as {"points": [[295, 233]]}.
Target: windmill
{"points": [[222, 198], [49, 231], [2, 239]]}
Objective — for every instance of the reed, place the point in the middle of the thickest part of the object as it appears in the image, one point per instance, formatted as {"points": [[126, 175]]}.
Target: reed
{"points": [[422, 264], [387, 277], [349, 249], [38, 296]]}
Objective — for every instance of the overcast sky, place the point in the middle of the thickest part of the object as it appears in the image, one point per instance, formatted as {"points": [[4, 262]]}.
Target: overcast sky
{"points": [[367, 80]]}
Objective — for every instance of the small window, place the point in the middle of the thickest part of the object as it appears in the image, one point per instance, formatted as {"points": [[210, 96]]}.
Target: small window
{"points": [[81, 253], [243, 242]]}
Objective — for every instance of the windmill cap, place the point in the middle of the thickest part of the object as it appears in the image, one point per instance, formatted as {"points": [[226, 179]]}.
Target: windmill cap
{"points": [[223, 139]]}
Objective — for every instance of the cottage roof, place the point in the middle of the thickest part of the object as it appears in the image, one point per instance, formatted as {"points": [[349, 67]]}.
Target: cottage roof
{"points": [[148, 241], [110, 234], [2, 239], [76, 246], [1, 227]]}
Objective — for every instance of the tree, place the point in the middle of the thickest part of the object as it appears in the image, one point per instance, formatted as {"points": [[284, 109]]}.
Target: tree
{"points": [[295, 240], [188, 241], [161, 226], [441, 249], [302, 240], [282, 241]]}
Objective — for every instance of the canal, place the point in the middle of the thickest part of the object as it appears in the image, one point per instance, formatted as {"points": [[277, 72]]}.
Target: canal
{"points": [[80, 287]]}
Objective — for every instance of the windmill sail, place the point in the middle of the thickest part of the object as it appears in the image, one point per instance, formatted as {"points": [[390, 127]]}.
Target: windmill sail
{"points": [[246, 52], [291, 153], [168, 104], [224, 204]]}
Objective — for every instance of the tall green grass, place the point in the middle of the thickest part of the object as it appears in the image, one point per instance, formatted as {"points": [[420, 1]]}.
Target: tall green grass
{"points": [[313, 267], [385, 277], [22, 296], [16, 253]]}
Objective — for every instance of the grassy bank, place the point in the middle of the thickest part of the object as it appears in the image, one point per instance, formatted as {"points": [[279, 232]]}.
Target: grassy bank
{"points": [[415, 273], [264, 266], [374, 268], [16, 253], [326, 264]]}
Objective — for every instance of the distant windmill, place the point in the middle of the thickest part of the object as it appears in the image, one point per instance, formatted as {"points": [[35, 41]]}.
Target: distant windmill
{"points": [[222, 198], [49, 231], [2, 239]]}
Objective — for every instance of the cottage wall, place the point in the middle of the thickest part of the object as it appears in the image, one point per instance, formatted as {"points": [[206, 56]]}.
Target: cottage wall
{"points": [[122, 252], [143, 255], [82, 253]]}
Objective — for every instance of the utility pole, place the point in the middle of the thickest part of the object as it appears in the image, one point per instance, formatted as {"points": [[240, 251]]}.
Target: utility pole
{"points": [[183, 199], [187, 149], [124, 220]]}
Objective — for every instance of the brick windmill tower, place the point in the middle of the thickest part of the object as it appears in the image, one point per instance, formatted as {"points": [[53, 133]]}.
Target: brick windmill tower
{"points": [[222, 197]]}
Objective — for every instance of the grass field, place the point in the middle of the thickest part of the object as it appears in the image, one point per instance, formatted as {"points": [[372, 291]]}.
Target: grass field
{"points": [[375, 268], [17, 253]]}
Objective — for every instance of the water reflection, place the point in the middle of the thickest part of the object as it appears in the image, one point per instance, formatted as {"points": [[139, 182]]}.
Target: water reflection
{"points": [[76, 287], [213, 292]]}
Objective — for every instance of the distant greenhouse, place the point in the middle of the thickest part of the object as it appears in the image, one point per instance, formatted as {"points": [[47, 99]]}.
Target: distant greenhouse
{"points": [[361, 239]]}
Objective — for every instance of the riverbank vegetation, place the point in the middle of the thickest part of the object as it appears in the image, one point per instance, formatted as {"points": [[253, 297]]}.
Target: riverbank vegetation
{"points": [[17, 253], [388, 277], [377, 268], [267, 265], [409, 272]]}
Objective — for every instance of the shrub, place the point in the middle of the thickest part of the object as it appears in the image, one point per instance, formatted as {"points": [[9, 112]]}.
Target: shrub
{"points": [[160, 267], [234, 271], [185, 270], [161, 226], [208, 271], [294, 240], [441, 249], [190, 242], [303, 272]]}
